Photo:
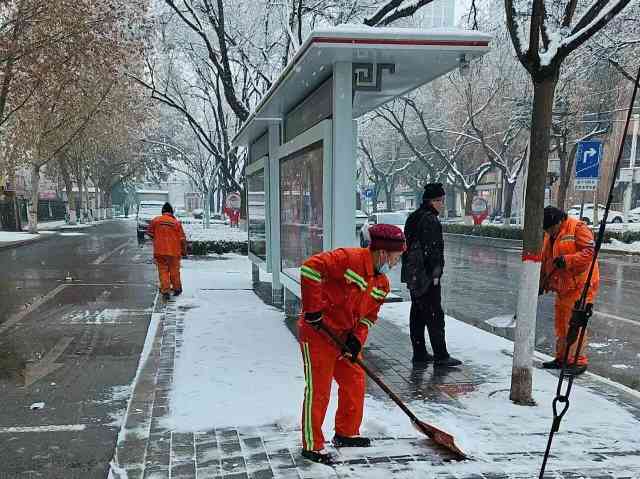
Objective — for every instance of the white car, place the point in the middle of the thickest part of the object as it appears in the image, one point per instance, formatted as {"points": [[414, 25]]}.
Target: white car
{"points": [[361, 220], [587, 213], [634, 215], [397, 218]]}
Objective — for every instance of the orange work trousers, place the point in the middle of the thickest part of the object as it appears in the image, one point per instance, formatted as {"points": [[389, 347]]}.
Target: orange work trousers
{"points": [[169, 272], [563, 311], [324, 362]]}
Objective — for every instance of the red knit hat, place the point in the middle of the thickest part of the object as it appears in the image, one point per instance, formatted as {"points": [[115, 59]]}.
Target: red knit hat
{"points": [[386, 237]]}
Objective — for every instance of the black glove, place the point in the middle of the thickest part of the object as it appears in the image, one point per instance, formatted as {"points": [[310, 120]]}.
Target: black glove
{"points": [[540, 291], [313, 319], [559, 262], [352, 347]]}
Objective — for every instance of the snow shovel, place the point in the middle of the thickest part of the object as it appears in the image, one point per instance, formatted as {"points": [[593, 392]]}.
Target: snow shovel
{"points": [[438, 436]]}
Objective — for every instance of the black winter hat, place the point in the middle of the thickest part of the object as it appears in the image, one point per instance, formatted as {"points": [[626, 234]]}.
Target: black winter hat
{"points": [[432, 190], [552, 216], [167, 208]]}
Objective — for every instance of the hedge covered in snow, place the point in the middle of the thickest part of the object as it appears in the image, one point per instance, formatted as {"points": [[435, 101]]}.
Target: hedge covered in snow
{"points": [[516, 233]]}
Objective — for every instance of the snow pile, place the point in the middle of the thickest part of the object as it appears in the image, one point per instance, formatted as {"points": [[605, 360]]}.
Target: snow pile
{"points": [[216, 232], [616, 245], [11, 237]]}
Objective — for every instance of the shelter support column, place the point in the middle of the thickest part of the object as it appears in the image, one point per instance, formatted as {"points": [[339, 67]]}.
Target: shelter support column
{"points": [[274, 214], [344, 158]]}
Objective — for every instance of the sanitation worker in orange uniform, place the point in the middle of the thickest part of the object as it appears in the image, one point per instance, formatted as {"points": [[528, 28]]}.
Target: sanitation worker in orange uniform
{"points": [[169, 245], [343, 289], [566, 258]]}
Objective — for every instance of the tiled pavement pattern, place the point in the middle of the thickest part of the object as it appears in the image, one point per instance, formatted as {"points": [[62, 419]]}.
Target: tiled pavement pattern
{"points": [[268, 451]]}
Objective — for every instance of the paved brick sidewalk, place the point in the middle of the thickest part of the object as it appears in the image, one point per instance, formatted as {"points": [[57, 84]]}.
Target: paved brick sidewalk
{"points": [[269, 450]]}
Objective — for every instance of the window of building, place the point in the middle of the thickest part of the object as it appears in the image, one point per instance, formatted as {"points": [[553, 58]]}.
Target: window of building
{"points": [[301, 208], [257, 215]]}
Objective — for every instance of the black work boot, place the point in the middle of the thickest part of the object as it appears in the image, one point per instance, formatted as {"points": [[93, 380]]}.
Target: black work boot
{"points": [[177, 292], [448, 362], [555, 364], [166, 296], [575, 369], [346, 441], [321, 457], [422, 360]]}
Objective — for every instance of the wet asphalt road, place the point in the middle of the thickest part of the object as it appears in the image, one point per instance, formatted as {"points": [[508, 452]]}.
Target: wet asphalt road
{"points": [[481, 282], [74, 312]]}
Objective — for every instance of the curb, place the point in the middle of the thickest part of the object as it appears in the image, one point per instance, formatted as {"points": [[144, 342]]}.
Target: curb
{"points": [[17, 244]]}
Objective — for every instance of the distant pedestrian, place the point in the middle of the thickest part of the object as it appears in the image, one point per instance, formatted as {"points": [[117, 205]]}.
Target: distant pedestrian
{"points": [[343, 290], [422, 268], [169, 245], [566, 258]]}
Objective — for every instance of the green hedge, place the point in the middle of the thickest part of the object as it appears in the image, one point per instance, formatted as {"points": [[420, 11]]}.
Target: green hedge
{"points": [[202, 248], [516, 233], [488, 231]]}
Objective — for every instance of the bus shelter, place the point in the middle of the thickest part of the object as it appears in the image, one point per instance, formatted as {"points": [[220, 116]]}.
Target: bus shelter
{"points": [[301, 138]]}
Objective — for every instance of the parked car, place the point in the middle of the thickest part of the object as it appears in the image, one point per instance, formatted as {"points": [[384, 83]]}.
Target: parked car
{"points": [[198, 213], [587, 213], [147, 210], [634, 215], [397, 218], [361, 219]]}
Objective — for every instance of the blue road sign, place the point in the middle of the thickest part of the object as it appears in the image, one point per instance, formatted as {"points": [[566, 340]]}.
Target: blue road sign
{"points": [[588, 159], [368, 193]]}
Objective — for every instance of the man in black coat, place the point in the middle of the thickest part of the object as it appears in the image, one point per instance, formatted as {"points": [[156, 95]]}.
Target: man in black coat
{"points": [[422, 266]]}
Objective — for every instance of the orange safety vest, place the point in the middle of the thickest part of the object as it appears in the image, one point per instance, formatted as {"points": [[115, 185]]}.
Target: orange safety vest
{"points": [[168, 235], [343, 286], [575, 243]]}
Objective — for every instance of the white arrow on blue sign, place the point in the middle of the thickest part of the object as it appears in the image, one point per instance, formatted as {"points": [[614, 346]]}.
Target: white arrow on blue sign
{"points": [[588, 159]]}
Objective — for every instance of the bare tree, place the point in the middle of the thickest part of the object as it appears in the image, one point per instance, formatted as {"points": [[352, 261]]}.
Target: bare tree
{"points": [[543, 35]]}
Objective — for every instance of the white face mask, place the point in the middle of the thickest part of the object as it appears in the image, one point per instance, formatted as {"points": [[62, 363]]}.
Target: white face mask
{"points": [[384, 269]]}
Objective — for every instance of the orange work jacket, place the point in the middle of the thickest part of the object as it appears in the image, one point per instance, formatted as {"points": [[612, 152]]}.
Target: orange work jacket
{"points": [[343, 286], [168, 235], [575, 243]]}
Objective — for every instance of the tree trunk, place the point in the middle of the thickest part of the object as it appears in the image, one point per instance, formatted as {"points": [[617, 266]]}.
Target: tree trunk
{"points": [[207, 213], [509, 188], [108, 203], [35, 196], [71, 197], [468, 201], [521, 377], [81, 206]]}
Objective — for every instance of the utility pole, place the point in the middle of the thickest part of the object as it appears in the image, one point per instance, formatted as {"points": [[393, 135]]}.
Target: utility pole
{"points": [[628, 192]]}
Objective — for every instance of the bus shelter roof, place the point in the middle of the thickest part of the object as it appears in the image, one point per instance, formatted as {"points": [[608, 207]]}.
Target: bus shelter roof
{"points": [[417, 56]]}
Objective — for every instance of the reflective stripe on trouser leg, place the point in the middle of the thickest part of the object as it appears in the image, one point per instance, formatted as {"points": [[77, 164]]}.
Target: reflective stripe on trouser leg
{"points": [[307, 422], [351, 387]]}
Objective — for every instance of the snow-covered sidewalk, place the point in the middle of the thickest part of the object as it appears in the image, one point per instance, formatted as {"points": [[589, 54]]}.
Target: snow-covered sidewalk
{"points": [[233, 386]]}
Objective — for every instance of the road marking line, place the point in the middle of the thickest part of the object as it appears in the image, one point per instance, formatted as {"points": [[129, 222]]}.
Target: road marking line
{"points": [[61, 428], [32, 307], [103, 257], [617, 318], [47, 365]]}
